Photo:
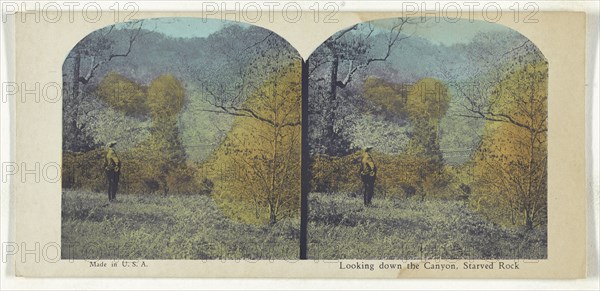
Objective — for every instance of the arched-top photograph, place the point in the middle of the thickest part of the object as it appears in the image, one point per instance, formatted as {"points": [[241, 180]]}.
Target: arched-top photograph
{"points": [[181, 140], [428, 138]]}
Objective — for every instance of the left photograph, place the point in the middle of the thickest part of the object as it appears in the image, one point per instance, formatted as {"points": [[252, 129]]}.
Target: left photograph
{"points": [[181, 140]]}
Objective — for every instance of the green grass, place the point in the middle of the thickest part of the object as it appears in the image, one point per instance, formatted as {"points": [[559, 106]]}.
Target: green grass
{"points": [[193, 227], [174, 227], [340, 227]]}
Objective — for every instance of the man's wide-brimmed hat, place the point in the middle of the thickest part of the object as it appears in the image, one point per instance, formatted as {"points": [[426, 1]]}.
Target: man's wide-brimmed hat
{"points": [[112, 143], [367, 148]]}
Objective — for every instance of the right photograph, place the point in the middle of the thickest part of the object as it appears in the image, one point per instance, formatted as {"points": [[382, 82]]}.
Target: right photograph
{"points": [[427, 139]]}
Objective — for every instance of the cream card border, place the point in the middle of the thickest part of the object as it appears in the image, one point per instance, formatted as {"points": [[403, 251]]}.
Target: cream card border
{"points": [[40, 51]]}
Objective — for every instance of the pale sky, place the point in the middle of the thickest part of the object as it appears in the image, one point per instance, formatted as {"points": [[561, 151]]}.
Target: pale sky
{"points": [[186, 27], [448, 33], [442, 32]]}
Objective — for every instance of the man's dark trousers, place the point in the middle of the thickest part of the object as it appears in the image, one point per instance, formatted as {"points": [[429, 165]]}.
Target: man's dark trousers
{"points": [[369, 188], [113, 184]]}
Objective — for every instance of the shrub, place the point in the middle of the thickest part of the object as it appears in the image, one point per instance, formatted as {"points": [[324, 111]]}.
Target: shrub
{"points": [[398, 176], [139, 174], [84, 170], [182, 180], [336, 174]]}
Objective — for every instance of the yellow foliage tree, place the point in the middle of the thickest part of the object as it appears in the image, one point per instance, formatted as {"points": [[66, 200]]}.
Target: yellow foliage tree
{"points": [[256, 170], [165, 98], [510, 166], [123, 94], [164, 150], [427, 102], [390, 96]]}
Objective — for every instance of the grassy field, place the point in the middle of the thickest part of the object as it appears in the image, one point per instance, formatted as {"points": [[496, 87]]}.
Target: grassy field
{"points": [[175, 227], [192, 227], [340, 227]]}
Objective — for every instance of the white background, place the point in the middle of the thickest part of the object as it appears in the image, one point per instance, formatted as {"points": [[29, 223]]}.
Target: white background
{"points": [[9, 282]]}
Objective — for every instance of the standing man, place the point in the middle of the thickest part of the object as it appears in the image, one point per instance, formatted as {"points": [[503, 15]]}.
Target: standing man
{"points": [[112, 166], [368, 172]]}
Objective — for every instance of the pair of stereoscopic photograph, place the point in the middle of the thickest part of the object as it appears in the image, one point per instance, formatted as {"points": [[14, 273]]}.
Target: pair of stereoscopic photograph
{"points": [[400, 138]]}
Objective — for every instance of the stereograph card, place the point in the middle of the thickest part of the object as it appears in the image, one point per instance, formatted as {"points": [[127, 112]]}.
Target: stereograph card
{"points": [[378, 145]]}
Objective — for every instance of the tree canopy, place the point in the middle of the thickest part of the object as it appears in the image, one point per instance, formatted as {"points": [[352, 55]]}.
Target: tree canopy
{"points": [[511, 164], [123, 94], [257, 167]]}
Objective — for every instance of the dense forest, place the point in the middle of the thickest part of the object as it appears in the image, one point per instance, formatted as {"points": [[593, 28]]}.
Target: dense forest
{"points": [[461, 125], [462, 121], [186, 113]]}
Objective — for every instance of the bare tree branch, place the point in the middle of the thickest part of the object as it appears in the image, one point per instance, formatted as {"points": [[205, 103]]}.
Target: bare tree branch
{"points": [[94, 66], [394, 37]]}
